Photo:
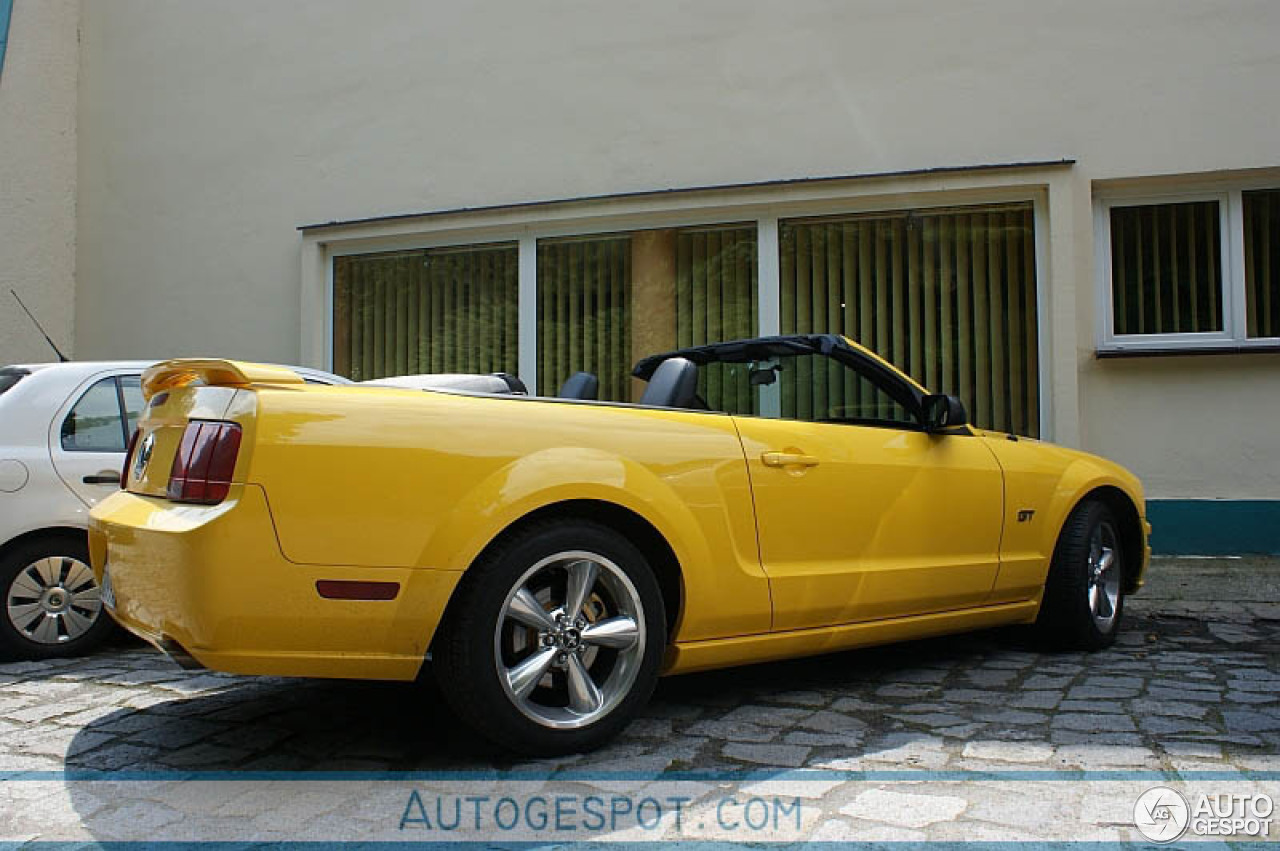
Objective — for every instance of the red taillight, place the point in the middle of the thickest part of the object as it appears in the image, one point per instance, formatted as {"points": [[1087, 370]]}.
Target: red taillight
{"points": [[204, 463], [128, 458]]}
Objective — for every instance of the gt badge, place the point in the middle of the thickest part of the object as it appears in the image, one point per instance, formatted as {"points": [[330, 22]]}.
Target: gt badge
{"points": [[1025, 514]]}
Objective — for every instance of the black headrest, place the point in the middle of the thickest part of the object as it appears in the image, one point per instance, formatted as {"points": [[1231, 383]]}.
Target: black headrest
{"points": [[514, 384], [674, 384], [580, 385]]}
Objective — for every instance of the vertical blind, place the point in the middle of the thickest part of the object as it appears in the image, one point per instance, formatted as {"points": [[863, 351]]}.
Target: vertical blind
{"points": [[716, 300], [1166, 268], [439, 310], [584, 313], [948, 296], [1262, 262]]}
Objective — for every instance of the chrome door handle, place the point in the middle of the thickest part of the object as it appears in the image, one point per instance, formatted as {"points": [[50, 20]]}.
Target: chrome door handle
{"points": [[788, 459]]}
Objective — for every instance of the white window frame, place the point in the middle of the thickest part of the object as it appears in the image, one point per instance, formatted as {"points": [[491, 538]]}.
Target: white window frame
{"points": [[764, 214], [1231, 278]]}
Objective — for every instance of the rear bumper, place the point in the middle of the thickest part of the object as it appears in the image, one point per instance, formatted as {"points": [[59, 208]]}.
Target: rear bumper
{"points": [[211, 582]]}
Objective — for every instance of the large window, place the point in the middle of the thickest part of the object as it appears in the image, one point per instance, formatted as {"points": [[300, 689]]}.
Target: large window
{"points": [[604, 302], [1190, 271], [946, 295], [434, 310]]}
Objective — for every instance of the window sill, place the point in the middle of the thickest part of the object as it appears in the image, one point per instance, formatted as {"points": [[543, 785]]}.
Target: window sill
{"points": [[1179, 351]]}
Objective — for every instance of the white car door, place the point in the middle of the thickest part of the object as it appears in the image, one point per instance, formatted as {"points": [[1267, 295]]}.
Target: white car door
{"points": [[88, 436]]}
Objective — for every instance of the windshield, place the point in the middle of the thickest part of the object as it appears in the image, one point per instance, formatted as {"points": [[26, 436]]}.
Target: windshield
{"points": [[10, 376]]}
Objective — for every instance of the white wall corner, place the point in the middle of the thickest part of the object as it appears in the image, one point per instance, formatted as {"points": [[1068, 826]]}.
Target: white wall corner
{"points": [[315, 304], [1067, 272]]}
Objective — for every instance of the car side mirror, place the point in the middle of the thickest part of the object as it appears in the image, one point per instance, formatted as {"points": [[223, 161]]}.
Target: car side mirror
{"points": [[941, 412]]}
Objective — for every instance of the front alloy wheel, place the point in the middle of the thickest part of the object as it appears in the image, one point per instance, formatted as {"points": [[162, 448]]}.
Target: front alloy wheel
{"points": [[1084, 592], [1103, 581], [553, 641]]}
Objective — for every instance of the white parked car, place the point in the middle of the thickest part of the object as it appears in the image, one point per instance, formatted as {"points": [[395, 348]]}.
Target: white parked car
{"points": [[64, 428]]}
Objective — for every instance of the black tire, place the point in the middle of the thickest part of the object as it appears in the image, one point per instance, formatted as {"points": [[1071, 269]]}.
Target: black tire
{"points": [[472, 641], [15, 643], [1067, 618]]}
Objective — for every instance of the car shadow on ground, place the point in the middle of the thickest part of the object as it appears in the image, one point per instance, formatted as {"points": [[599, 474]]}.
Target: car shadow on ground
{"points": [[1175, 693], [227, 723], [804, 712]]}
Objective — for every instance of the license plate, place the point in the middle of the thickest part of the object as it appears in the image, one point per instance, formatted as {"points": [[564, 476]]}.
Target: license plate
{"points": [[107, 595]]}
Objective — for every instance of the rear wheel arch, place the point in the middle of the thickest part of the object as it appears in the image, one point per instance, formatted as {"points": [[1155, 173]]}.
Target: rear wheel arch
{"points": [[634, 527]]}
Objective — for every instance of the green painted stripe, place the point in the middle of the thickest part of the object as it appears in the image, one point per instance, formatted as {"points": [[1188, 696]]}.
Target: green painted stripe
{"points": [[1213, 527]]}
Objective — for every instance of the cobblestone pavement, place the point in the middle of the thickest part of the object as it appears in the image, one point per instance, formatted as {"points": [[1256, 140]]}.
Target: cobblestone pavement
{"points": [[1192, 685]]}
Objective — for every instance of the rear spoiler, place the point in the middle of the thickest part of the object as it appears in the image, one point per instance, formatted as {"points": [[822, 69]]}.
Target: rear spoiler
{"points": [[223, 373]]}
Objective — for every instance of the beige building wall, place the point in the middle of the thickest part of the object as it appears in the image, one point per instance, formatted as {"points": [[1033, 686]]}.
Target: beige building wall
{"points": [[38, 178], [208, 132]]}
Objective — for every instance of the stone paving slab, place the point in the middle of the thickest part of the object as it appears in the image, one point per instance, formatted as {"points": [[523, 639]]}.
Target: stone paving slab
{"points": [[1192, 685]]}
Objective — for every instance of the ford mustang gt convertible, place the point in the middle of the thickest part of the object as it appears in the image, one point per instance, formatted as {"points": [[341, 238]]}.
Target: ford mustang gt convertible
{"points": [[546, 559]]}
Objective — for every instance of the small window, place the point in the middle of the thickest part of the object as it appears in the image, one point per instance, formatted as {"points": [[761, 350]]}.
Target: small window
{"points": [[1166, 268], [1193, 271], [131, 392], [1262, 261], [95, 424]]}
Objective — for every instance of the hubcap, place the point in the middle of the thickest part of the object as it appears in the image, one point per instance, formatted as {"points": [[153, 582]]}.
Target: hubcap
{"points": [[53, 601], [569, 640], [1103, 586]]}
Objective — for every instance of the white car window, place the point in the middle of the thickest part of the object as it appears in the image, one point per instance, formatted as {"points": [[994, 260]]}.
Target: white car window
{"points": [[94, 424], [131, 392]]}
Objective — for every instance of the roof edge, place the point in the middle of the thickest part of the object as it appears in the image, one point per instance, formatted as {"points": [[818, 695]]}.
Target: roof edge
{"points": [[688, 190]]}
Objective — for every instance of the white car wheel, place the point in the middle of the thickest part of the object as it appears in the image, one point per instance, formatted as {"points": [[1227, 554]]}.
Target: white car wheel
{"points": [[52, 603]]}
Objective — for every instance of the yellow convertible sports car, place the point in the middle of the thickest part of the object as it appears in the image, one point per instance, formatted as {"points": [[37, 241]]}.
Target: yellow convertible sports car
{"points": [[551, 557]]}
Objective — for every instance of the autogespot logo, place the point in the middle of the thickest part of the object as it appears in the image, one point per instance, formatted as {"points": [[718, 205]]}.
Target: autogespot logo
{"points": [[1161, 814]]}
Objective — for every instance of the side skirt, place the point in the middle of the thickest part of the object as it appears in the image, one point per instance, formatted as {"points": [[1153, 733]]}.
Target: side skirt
{"points": [[684, 658]]}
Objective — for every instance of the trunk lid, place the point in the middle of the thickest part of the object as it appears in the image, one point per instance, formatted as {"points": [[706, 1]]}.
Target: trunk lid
{"points": [[179, 391]]}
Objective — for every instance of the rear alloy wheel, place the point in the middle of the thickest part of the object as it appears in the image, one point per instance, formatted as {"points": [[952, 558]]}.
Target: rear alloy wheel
{"points": [[554, 641], [1084, 594], [52, 603]]}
